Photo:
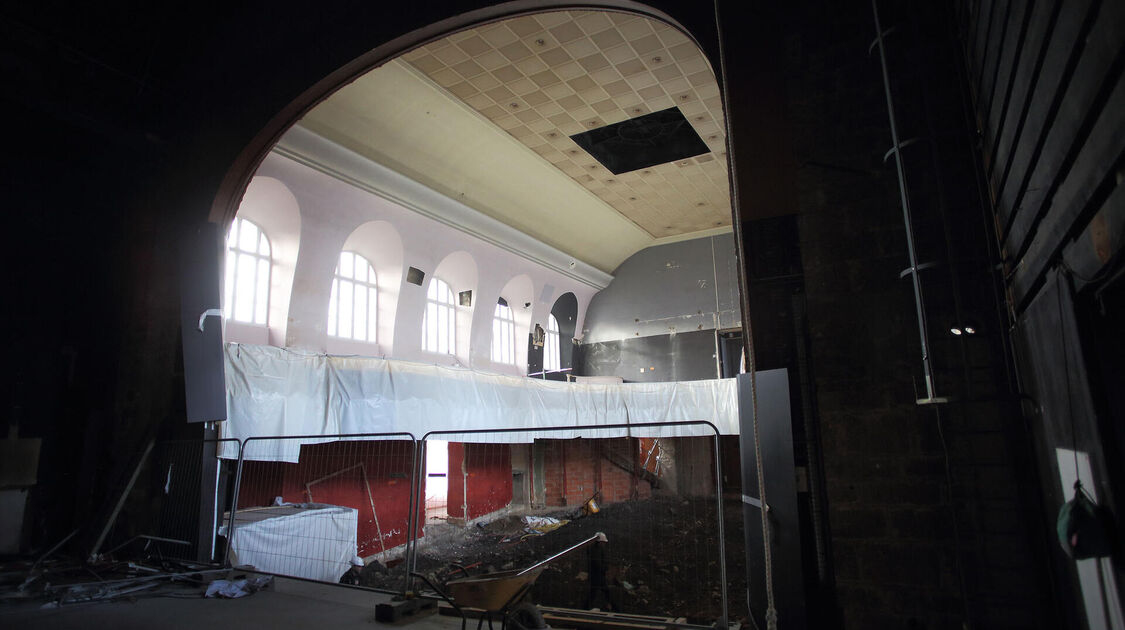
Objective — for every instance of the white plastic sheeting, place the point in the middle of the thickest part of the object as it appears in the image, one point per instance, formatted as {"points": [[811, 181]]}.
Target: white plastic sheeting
{"points": [[278, 392], [316, 542]]}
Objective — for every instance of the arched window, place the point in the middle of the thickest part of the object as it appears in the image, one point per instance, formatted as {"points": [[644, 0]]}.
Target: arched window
{"points": [[248, 267], [552, 359], [355, 301], [439, 324], [503, 333]]}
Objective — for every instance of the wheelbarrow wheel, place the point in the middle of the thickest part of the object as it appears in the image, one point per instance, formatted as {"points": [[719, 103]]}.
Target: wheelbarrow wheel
{"points": [[525, 616]]}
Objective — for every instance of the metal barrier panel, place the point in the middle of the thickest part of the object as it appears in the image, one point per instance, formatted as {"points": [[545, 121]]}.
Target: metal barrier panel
{"points": [[510, 506], [340, 513], [172, 503]]}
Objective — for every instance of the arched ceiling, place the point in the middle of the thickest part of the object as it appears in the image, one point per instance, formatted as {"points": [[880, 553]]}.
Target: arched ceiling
{"points": [[486, 116]]}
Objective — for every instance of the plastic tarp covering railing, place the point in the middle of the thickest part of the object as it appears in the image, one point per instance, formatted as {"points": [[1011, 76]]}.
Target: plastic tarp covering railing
{"points": [[278, 392], [316, 542]]}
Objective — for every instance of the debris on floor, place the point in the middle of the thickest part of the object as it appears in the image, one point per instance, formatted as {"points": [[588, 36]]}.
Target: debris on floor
{"points": [[542, 524], [233, 589], [662, 558]]}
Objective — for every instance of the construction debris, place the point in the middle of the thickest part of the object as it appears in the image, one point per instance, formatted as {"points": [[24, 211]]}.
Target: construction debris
{"points": [[233, 589]]}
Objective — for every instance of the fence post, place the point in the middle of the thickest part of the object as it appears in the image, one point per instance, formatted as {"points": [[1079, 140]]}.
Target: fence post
{"points": [[723, 619], [417, 477], [234, 500], [208, 496]]}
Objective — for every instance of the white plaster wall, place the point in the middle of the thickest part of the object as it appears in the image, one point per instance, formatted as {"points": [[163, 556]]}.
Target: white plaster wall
{"points": [[333, 213]]}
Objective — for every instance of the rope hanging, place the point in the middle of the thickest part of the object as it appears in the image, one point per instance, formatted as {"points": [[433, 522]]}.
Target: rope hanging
{"points": [[771, 610]]}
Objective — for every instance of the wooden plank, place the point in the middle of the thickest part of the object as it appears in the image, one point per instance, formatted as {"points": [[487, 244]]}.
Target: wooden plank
{"points": [[993, 109], [1026, 74], [1063, 52], [1092, 78], [572, 618], [1093, 172]]}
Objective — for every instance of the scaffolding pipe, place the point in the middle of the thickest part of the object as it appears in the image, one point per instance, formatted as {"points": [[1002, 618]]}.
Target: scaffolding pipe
{"points": [[904, 197]]}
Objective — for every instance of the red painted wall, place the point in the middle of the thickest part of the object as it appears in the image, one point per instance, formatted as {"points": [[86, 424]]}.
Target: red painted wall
{"points": [[387, 465], [485, 472]]}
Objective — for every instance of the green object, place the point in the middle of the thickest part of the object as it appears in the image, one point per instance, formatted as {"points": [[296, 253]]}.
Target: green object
{"points": [[1083, 528]]}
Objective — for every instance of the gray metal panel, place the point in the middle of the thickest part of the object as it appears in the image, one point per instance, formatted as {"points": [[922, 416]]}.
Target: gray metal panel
{"points": [[656, 359], [204, 382], [726, 282], [776, 433], [673, 288]]}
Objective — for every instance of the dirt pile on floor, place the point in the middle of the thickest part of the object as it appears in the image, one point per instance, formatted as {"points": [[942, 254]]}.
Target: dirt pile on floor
{"points": [[662, 557]]}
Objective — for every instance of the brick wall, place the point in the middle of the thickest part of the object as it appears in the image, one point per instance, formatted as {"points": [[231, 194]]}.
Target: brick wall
{"points": [[909, 549], [573, 470]]}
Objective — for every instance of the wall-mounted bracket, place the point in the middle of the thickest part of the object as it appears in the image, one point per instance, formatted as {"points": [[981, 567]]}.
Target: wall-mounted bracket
{"points": [[211, 312]]}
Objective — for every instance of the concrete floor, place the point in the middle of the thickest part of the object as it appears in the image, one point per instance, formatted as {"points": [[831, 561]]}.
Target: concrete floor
{"points": [[290, 604]]}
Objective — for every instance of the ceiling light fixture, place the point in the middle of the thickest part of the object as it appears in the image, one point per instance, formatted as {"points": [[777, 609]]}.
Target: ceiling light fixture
{"points": [[956, 331]]}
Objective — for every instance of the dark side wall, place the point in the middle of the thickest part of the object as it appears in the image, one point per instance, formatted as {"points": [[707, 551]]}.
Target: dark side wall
{"points": [[1047, 81], [931, 510]]}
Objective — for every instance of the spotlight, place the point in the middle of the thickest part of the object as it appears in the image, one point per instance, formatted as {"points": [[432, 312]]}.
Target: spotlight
{"points": [[956, 331], [969, 330]]}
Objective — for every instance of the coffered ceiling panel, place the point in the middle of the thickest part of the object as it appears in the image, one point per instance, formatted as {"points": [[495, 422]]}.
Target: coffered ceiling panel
{"points": [[546, 77], [485, 117]]}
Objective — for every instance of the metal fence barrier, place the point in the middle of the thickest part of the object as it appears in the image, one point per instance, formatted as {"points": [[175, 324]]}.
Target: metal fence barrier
{"points": [[370, 509], [170, 507], [511, 505], [341, 511]]}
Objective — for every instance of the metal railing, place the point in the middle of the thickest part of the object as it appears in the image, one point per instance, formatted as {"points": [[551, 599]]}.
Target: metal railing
{"points": [[364, 495], [170, 506], [666, 554], [340, 512]]}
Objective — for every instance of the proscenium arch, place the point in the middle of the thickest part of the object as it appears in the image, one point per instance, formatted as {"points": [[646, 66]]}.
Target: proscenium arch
{"points": [[426, 22], [427, 29]]}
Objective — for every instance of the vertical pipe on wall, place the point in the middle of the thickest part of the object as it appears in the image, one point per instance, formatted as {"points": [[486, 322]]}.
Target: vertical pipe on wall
{"points": [[904, 198]]}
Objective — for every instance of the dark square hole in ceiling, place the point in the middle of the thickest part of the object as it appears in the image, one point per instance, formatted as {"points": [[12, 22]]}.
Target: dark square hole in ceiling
{"points": [[656, 138]]}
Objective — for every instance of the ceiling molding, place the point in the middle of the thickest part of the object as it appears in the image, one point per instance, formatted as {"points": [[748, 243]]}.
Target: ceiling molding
{"points": [[306, 147], [693, 235]]}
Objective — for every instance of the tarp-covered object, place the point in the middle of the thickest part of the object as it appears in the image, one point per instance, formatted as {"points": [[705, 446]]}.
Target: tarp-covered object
{"points": [[312, 541], [278, 392]]}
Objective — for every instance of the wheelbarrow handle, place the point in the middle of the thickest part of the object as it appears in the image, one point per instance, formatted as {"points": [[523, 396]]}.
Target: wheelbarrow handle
{"points": [[600, 537]]}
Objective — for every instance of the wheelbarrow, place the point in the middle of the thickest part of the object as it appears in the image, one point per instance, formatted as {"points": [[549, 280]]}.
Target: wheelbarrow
{"points": [[501, 592]]}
